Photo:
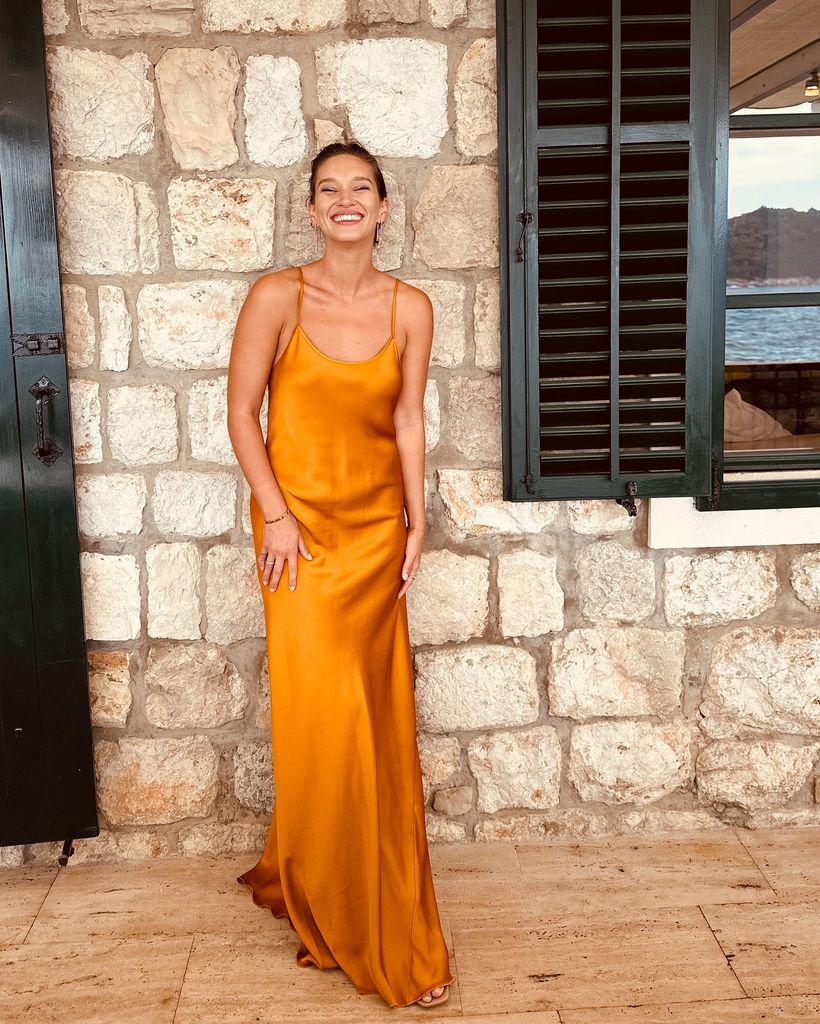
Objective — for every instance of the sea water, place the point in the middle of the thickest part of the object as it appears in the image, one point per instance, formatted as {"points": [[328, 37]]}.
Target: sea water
{"points": [[783, 334]]}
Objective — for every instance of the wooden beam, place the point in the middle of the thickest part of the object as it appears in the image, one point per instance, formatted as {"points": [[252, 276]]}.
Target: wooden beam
{"points": [[775, 77], [745, 10]]}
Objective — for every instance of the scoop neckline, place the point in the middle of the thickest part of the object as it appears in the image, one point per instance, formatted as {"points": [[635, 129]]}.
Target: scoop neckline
{"points": [[346, 362]]}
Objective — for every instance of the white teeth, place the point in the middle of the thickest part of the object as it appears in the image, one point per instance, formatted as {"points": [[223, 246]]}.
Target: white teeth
{"points": [[347, 216]]}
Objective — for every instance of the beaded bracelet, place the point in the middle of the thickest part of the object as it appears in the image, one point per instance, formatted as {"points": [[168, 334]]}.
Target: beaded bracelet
{"points": [[276, 520]]}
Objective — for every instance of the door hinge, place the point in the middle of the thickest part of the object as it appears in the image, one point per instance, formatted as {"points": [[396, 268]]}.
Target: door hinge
{"points": [[47, 344], [714, 493], [523, 219], [629, 501], [528, 480]]}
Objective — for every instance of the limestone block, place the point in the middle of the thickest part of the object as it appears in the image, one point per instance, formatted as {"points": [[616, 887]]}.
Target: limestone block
{"points": [[612, 671], [441, 830], [105, 18], [440, 759], [432, 415], [111, 596], [530, 598], [456, 218], [650, 821], [216, 839], [208, 421], [615, 583], [142, 424], [115, 328], [189, 324], [718, 586], [198, 504], [274, 16], [595, 518], [325, 132], [80, 341], [629, 762], [190, 686], [487, 324], [86, 436], [475, 686], [253, 776], [481, 14], [275, 133], [197, 89], [522, 828], [110, 504], [753, 775], [474, 507], [374, 12], [449, 334], [233, 602], [174, 609], [222, 223], [449, 597], [446, 13], [804, 576], [100, 106], [109, 688], [475, 417], [155, 781], [394, 91], [263, 712], [111, 847], [454, 801], [516, 769], [475, 100], [763, 680], [55, 17]]}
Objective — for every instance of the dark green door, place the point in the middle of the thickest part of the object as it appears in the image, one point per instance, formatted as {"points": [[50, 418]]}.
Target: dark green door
{"points": [[46, 765]]}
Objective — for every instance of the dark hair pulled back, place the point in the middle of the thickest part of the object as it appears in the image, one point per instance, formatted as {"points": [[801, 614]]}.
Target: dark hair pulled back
{"points": [[350, 148]]}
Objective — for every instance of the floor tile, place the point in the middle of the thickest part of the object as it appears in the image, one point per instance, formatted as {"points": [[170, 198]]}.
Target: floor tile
{"points": [[789, 858], [478, 884], [777, 1010], [774, 948], [666, 954], [22, 891], [93, 981]]}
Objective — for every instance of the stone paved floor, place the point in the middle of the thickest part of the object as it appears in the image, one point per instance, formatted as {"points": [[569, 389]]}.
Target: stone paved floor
{"points": [[682, 928]]}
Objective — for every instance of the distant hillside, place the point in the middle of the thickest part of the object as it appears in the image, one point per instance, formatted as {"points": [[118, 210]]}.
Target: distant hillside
{"points": [[771, 244]]}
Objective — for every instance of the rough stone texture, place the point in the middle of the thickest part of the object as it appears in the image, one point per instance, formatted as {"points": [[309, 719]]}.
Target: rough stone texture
{"points": [[173, 591], [475, 687], [613, 671], [808, 818], [481, 14], [441, 830], [599, 517], [253, 776], [233, 603], [190, 686], [475, 417], [718, 587], [487, 324], [763, 680], [129, 409], [275, 134], [615, 583], [109, 688], [651, 820], [393, 90], [455, 801], [110, 504], [208, 422], [111, 596], [197, 89], [473, 505], [449, 334], [106, 223], [86, 436], [432, 416], [804, 576], [522, 828], [222, 223], [104, 18], [374, 12], [448, 600], [456, 218], [55, 17], [116, 847], [217, 839], [475, 100], [440, 758], [263, 712], [517, 769], [80, 340], [100, 106], [198, 504], [753, 775], [144, 781], [530, 599], [325, 133], [445, 13], [115, 328], [630, 761], [189, 324], [279, 16]]}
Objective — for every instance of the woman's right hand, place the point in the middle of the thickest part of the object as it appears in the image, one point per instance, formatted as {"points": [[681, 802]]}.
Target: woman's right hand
{"points": [[281, 540]]}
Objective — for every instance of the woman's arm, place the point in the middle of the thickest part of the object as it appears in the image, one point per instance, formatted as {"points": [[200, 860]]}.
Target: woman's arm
{"points": [[408, 417]]}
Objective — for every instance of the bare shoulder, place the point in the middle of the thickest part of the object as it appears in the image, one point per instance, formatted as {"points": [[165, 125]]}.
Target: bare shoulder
{"points": [[415, 305], [277, 285]]}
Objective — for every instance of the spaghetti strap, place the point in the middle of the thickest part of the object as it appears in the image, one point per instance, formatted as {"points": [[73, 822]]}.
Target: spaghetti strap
{"points": [[393, 316], [301, 293]]}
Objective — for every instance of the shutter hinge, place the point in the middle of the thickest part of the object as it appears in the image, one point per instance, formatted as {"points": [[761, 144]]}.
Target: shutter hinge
{"points": [[529, 482], [523, 219], [714, 493], [629, 501], [44, 344]]}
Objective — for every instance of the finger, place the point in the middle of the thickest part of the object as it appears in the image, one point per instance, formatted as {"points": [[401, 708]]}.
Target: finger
{"points": [[292, 570], [267, 567], [277, 572], [303, 547]]}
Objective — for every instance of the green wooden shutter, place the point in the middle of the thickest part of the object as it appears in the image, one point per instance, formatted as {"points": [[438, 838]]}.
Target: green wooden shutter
{"points": [[608, 138]]}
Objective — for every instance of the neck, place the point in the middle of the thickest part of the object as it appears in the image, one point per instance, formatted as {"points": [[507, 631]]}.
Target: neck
{"points": [[345, 270]]}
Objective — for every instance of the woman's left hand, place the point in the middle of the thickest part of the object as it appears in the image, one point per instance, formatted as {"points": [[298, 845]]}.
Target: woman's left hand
{"points": [[412, 560]]}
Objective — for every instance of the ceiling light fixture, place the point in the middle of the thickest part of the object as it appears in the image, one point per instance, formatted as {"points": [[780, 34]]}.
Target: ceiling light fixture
{"points": [[812, 90]]}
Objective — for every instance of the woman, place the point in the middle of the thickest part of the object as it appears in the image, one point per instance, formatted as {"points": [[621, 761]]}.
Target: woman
{"points": [[346, 859]]}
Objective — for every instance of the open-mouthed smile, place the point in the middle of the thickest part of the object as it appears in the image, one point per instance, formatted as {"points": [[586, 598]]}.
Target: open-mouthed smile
{"points": [[347, 218]]}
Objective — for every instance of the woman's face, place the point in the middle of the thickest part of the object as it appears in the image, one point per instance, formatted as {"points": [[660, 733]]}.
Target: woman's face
{"points": [[347, 204]]}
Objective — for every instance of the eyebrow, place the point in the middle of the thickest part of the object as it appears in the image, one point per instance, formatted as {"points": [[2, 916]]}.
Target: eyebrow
{"points": [[359, 177]]}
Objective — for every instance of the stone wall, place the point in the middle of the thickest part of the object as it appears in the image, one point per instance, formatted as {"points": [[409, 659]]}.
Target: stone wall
{"points": [[570, 681]]}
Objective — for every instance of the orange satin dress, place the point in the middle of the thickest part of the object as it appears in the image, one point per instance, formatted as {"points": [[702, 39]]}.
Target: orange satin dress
{"points": [[346, 859]]}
